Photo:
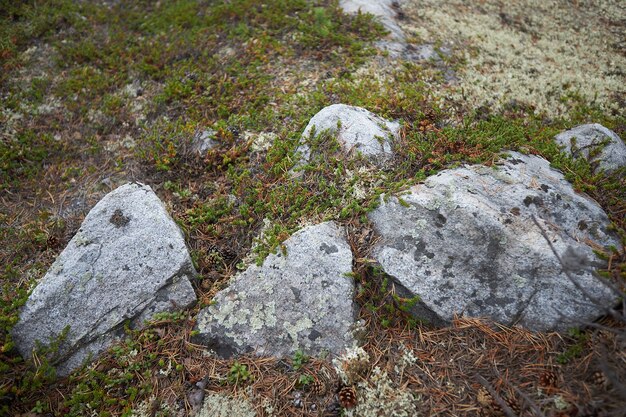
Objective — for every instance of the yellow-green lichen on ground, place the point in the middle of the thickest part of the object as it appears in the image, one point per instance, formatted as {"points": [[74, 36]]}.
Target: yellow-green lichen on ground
{"points": [[534, 52]]}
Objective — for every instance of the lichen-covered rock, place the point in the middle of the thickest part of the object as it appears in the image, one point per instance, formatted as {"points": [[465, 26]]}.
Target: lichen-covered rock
{"points": [[465, 242], [128, 261], [302, 299], [358, 131], [595, 143]]}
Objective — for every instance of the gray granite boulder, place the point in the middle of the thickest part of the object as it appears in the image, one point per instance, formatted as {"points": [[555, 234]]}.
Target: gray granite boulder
{"points": [[465, 242], [595, 143], [127, 262], [359, 131], [300, 299]]}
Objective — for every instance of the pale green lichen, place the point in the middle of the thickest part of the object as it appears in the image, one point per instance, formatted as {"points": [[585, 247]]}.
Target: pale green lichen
{"points": [[302, 324], [351, 365], [407, 359], [378, 396], [532, 51], [219, 405], [146, 409], [263, 315]]}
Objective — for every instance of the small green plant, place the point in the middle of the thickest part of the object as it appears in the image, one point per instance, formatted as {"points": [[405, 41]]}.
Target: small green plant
{"points": [[580, 338], [299, 359], [305, 379], [239, 374]]}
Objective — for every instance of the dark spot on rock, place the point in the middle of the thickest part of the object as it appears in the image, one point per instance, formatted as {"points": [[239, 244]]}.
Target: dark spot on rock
{"points": [[515, 161], [545, 188], [515, 211], [314, 335], [439, 234], [440, 220], [296, 293], [420, 249], [400, 243], [118, 219], [508, 221], [325, 284], [328, 249], [171, 246], [448, 285], [528, 200], [582, 225], [162, 296], [537, 201], [126, 268]]}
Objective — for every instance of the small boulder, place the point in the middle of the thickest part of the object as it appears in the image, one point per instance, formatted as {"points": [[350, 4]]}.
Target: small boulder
{"points": [[385, 10], [357, 130], [127, 262], [388, 13], [203, 142], [595, 143], [299, 299], [465, 243]]}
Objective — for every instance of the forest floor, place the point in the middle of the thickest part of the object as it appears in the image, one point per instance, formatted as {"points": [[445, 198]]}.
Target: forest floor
{"points": [[98, 93]]}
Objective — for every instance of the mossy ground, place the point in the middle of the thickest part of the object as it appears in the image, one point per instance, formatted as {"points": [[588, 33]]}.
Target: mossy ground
{"points": [[95, 94]]}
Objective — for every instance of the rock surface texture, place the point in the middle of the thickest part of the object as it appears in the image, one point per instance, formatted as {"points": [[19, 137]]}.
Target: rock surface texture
{"points": [[388, 13], [128, 261], [595, 143], [359, 131], [465, 242], [298, 300], [204, 141], [384, 10]]}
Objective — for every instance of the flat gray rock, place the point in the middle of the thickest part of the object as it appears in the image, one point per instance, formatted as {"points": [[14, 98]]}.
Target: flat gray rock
{"points": [[357, 130], [128, 261], [465, 242], [595, 143], [301, 300]]}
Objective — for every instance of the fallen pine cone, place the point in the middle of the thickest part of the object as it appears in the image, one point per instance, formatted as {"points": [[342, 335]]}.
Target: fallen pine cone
{"points": [[319, 387], [599, 379], [347, 397], [548, 379]]}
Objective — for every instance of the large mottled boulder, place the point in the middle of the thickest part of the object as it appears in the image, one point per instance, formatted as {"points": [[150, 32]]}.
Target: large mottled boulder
{"points": [[595, 143], [127, 262], [465, 242], [298, 299], [357, 130]]}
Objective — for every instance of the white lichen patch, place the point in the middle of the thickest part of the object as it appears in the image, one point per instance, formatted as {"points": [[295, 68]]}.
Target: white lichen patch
{"points": [[351, 365], [534, 52], [260, 142], [219, 405], [407, 359], [146, 408], [380, 397]]}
